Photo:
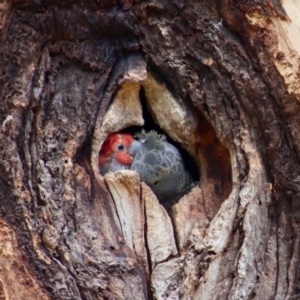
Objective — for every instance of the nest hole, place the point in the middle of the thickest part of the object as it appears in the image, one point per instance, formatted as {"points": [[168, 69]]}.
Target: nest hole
{"points": [[149, 125], [205, 156]]}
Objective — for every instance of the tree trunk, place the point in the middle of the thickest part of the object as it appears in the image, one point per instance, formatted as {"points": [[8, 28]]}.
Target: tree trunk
{"points": [[220, 78]]}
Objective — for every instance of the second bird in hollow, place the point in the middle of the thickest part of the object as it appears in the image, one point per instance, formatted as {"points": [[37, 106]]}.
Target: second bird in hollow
{"points": [[161, 167]]}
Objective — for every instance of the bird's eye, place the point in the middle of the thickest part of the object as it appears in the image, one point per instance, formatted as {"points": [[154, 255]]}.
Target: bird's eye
{"points": [[120, 147]]}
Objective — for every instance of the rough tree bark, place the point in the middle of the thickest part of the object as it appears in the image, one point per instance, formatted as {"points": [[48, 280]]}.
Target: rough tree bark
{"points": [[220, 78]]}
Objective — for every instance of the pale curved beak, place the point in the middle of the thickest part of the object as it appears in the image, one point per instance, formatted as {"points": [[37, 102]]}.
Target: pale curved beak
{"points": [[133, 149]]}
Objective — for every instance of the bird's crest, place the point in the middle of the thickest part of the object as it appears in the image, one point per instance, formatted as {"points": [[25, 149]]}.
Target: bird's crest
{"points": [[151, 137]]}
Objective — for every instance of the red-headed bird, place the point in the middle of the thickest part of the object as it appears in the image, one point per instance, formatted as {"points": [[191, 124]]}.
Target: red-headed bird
{"points": [[117, 152]]}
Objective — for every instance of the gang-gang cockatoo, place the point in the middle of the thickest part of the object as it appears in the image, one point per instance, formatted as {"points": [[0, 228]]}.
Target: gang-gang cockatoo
{"points": [[117, 152], [161, 167]]}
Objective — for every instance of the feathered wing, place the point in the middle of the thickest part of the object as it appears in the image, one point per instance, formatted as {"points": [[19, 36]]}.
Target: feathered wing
{"points": [[160, 165], [150, 165]]}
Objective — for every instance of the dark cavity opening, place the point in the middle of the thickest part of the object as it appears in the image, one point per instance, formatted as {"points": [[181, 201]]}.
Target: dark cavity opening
{"points": [[149, 125]]}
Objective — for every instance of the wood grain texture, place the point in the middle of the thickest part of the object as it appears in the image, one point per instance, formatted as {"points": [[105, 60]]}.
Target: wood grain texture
{"points": [[221, 78]]}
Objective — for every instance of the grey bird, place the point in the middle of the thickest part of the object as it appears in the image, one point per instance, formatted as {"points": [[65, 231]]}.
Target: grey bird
{"points": [[161, 167]]}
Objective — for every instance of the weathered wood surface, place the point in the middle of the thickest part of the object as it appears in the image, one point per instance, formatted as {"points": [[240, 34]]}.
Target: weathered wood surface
{"points": [[221, 78]]}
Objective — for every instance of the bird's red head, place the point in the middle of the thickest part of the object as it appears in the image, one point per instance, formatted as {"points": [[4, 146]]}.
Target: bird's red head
{"points": [[117, 145]]}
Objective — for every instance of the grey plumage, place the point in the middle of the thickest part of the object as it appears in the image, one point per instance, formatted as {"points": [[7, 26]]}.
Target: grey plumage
{"points": [[161, 166]]}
